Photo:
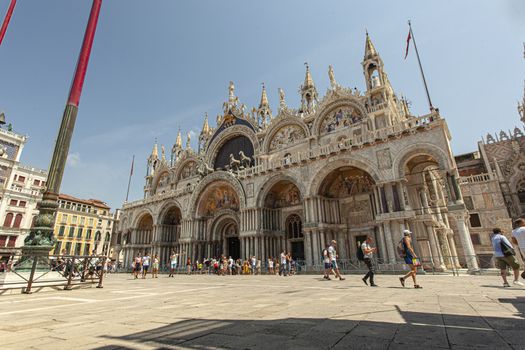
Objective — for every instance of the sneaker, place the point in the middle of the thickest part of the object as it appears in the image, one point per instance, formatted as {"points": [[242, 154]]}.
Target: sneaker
{"points": [[341, 278], [402, 280], [364, 281], [505, 285], [517, 283], [374, 285]]}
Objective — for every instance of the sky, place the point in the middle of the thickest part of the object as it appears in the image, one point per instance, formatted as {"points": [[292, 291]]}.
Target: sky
{"points": [[159, 65]]}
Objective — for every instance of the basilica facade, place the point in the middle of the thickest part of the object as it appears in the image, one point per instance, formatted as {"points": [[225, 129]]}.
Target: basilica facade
{"points": [[340, 166]]}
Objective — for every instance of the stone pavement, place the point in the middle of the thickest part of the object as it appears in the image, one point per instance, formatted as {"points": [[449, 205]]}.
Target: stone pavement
{"points": [[269, 312]]}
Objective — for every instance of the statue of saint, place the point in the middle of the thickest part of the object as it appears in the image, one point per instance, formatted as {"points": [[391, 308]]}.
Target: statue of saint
{"points": [[331, 75]]}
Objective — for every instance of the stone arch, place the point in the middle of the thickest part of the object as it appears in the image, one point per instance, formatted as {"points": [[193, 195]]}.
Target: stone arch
{"points": [[352, 161], [222, 217], [162, 174], [140, 216], [216, 176], [285, 122], [182, 165], [327, 110], [420, 149], [270, 183], [225, 136], [166, 207]]}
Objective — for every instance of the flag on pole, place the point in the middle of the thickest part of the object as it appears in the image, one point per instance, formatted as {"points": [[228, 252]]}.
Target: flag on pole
{"points": [[7, 18], [132, 163], [408, 43]]}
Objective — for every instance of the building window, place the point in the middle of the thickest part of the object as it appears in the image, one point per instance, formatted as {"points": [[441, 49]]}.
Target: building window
{"points": [[74, 219], [474, 220], [22, 204], [21, 179], [108, 236], [68, 248], [82, 220], [79, 232], [64, 218], [98, 236], [36, 182], [86, 249], [294, 227], [61, 230], [18, 221], [88, 233], [78, 246], [71, 232], [13, 202], [91, 222], [8, 220], [475, 239], [468, 202]]}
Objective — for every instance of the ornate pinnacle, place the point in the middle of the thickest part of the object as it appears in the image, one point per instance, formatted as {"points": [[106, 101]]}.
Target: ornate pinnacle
{"points": [[264, 98], [188, 146], [178, 141], [155, 151], [370, 50], [308, 81], [205, 126]]}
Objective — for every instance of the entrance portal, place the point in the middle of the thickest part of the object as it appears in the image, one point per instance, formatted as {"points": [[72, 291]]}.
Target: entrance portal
{"points": [[234, 247], [298, 250]]}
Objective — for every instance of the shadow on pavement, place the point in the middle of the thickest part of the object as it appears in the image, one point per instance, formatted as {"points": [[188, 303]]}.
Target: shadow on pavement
{"points": [[419, 330]]}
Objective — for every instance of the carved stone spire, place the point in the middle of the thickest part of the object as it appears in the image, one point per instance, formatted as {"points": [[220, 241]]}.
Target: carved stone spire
{"points": [[163, 152], [188, 140], [521, 106], [370, 50], [264, 113], [178, 141], [309, 97], [205, 126], [155, 151]]}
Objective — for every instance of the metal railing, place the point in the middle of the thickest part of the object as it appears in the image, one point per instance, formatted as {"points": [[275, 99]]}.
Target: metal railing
{"points": [[26, 271]]}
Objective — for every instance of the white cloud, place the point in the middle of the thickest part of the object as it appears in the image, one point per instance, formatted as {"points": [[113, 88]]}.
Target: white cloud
{"points": [[73, 160]]}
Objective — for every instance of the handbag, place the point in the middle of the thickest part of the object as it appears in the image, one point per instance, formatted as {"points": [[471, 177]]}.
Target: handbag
{"points": [[416, 262]]}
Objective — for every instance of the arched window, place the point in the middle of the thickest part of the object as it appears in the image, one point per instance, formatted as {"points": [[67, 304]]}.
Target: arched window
{"points": [[18, 221], [8, 220], [106, 239], [119, 238], [98, 235], [521, 191], [294, 227]]}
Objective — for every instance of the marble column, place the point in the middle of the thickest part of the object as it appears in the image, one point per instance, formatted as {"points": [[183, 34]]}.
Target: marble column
{"points": [[466, 242], [315, 247], [382, 244], [308, 248], [389, 243]]}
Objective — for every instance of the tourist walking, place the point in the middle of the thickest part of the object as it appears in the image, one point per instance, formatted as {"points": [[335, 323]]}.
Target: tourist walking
{"points": [[188, 266], [332, 252], [518, 238], [282, 270], [367, 256], [174, 257], [137, 266], [505, 257], [146, 261], [270, 266], [410, 257], [155, 267], [327, 263]]}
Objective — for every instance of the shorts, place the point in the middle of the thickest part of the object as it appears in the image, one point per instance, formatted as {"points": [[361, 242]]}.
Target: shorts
{"points": [[327, 266], [334, 265], [409, 259], [507, 261], [145, 268], [173, 265]]}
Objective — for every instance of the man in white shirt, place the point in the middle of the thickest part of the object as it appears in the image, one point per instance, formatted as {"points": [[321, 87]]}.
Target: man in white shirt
{"points": [[282, 270], [518, 238], [333, 257], [367, 254]]}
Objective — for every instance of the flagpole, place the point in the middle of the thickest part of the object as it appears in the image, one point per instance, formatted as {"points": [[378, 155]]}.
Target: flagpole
{"points": [[421, 68], [130, 174], [7, 19]]}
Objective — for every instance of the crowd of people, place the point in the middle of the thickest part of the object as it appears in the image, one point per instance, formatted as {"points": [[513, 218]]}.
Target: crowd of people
{"points": [[285, 265]]}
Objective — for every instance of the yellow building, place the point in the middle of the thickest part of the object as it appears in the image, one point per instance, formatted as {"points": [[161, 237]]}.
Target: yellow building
{"points": [[82, 225]]}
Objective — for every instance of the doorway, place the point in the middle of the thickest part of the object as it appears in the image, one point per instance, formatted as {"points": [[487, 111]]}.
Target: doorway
{"points": [[298, 250], [234, 247]]}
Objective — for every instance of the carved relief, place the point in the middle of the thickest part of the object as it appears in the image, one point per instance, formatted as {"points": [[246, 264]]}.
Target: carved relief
{"points": [[162, 183], [189, 170], [286, 135], [340, 119], [384, 159], [283, 195], [357, 212]]}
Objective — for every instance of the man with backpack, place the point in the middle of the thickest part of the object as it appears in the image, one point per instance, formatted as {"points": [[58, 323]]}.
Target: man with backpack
{"points": [[505, 257], [367, 252], [326, 262]]}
